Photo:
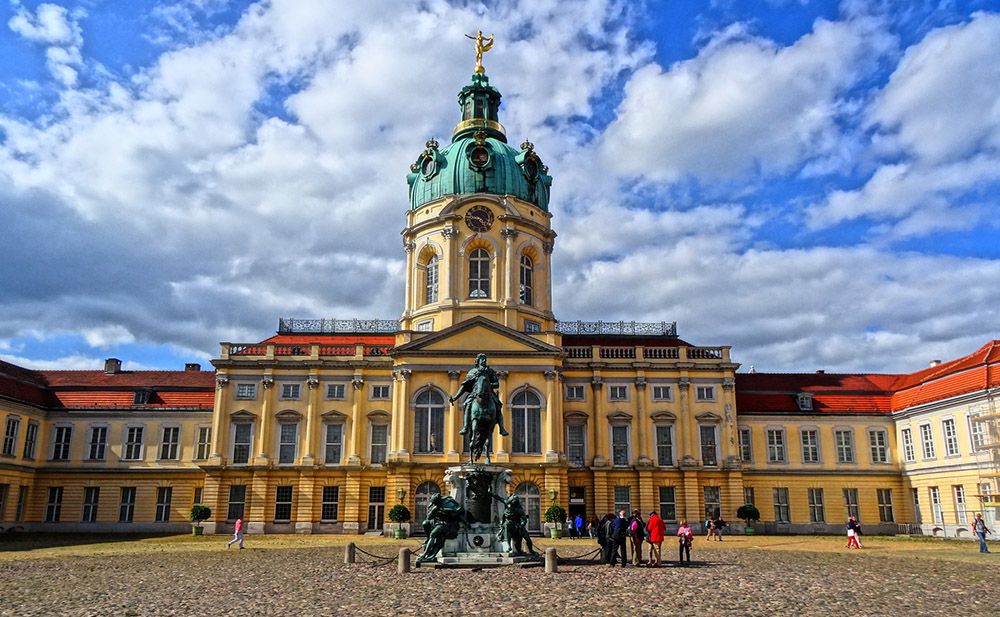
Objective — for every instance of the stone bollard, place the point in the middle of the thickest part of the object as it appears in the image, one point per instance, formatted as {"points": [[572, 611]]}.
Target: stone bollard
{"points": [[404, 561], [349, 553], [551, 561]]}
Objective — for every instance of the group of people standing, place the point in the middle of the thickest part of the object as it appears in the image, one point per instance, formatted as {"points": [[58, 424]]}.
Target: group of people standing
{"points": [[622, 539]]}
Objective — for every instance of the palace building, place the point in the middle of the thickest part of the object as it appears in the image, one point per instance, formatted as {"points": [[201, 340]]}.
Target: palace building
{"points": [[325, 425]]}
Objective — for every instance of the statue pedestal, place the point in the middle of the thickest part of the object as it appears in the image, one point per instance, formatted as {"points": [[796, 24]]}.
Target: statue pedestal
{"points": [[473, 487]]}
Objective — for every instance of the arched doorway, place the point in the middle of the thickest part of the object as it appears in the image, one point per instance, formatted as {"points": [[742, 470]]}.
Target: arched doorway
{"points": [[531, 499], [421, 500]]}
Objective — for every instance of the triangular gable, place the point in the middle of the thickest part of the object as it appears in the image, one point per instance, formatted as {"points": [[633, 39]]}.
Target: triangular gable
{"points": [[477, 335]]}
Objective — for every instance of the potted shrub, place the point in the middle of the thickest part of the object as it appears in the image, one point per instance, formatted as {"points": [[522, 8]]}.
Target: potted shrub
{"points": [[555, 515], [399, 514], [749, 513], [199, 514]]}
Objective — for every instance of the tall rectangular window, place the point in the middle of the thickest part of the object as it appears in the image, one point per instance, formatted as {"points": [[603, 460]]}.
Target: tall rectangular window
{"points": [[204, 443], [908, 454], [927, 441], [333, 444], [170, 443], [479, 274], [431, 291], [10, 435], [619, 445], [781, 507], [878, 441], [53, 507], [380, 443], [288, 441], [918, 517], [376, 507], [709, 445], [282, 504], [198, 493], [98, 443], [331, 500], [775, 446], [977, 433], [748, 495], [950, 437], [851, 502], [746, 445], [844, 439], [810, 445], [936, 510], [30, 440], [164, 495], [713, 500], [576, 439], [91, 498], [668, 504], [237, 500], [22, 503], [242, 436], [817, 513], [60, 443], [623, 499], [664, 446], [961, 515], [885, 513], [133, 444], [126, 508]]}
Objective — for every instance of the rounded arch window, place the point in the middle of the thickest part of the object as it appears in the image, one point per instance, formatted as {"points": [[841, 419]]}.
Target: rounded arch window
{"points": [[527, 280], [531, 499], [479, 274], [526, 423], [428, 423], [422, 499]]}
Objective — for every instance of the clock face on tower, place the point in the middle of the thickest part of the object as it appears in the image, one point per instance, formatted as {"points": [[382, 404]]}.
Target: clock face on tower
{"points": [[479, 218]]}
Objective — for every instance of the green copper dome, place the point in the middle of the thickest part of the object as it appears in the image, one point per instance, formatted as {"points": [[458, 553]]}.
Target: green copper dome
{"points": [[478, 159]]}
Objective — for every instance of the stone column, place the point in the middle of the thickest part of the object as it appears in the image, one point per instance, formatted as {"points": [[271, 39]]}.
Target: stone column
{"points": [[218, 418], [508, 234], [452, 440], [263, 446], [642, 442], [727, 438], [551, 422], [305, 502], [547, 247], [401, 412], [504, 443], [691, 489], [450, 291], [355, 514], [312, 411], [411, 274], [255, 507], [685, 426], [599, 432], [357, 424]]}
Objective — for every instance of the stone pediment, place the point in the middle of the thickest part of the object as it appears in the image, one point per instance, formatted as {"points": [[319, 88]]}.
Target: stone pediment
{"points": [[708, 416], [333, 416], [474, 336], [662, 416], [288, 415], [242, 415]]}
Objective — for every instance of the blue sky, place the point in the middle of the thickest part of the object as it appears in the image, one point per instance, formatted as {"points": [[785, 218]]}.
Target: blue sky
{"points": [[812, 183]]}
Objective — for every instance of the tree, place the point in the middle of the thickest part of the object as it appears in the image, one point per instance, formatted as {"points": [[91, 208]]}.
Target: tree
{"points": [[399, 514], [749, 513], [555, 514], [200, 513]]}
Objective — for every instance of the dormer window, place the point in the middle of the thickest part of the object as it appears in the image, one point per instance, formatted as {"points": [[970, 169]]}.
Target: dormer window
{"points": [[141, 397], [805, 401]]}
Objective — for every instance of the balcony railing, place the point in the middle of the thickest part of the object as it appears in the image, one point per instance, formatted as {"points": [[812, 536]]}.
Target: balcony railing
{"points": [[632, 352], [338, 326], [304, 350], [626, 328]]}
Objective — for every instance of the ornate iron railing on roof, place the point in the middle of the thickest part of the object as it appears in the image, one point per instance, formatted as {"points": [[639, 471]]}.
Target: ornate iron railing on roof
{"points": [[631, 328], [338, 326]]}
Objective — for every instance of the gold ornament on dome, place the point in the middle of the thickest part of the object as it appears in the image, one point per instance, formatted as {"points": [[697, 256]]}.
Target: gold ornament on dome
{"points": [[483, 45]]}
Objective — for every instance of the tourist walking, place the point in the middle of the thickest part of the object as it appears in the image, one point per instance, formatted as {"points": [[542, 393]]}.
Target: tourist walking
{"points": [[602, 531], [237, 534], [853, 531], [578, 524], [718, 527], [709, 527], [636, 536], [979, 527], [685, 537], [619, 536], [570, 529], [655, 529]]}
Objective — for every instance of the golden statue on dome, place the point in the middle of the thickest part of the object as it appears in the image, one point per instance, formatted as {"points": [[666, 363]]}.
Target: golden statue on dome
{"points": [[483, 45]]}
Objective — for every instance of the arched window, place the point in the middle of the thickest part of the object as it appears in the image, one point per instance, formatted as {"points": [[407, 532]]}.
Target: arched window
{"points": [[428, 424], [479, 274], [527, 269], [531, 499], [526, 422], [431, 277], [422, 499]]}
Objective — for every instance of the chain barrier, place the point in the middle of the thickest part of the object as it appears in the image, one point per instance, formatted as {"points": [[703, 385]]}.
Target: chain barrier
{"points": [[581, 559], [380, 560]]}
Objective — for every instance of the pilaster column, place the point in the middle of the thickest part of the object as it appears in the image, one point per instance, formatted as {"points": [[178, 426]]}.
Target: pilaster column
{"points": [[401, 412], [451, 437], [730, 457], [508, 234], [450, 263], [357, 423], [642, 451], [551, 423], [411, 273], [218, 418], [503, 452], [312, 407], [263, 446], [547, 247], [599, 432], [685, 426], [305, 502]]}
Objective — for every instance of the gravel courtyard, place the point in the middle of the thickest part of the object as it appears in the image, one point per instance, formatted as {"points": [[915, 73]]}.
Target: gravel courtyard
{"points": [[306, 576]]}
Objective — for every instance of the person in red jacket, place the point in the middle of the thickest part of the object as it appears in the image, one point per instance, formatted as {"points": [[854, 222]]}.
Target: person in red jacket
{"points": [[655, 531], [237, 534]]}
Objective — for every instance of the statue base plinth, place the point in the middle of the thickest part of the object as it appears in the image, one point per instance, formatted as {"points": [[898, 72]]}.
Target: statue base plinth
{"points": [[480, 560], [473, 486]]}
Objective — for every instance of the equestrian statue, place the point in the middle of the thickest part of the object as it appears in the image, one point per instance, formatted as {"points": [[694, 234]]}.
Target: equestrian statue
{"points": [[482, 408]]}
